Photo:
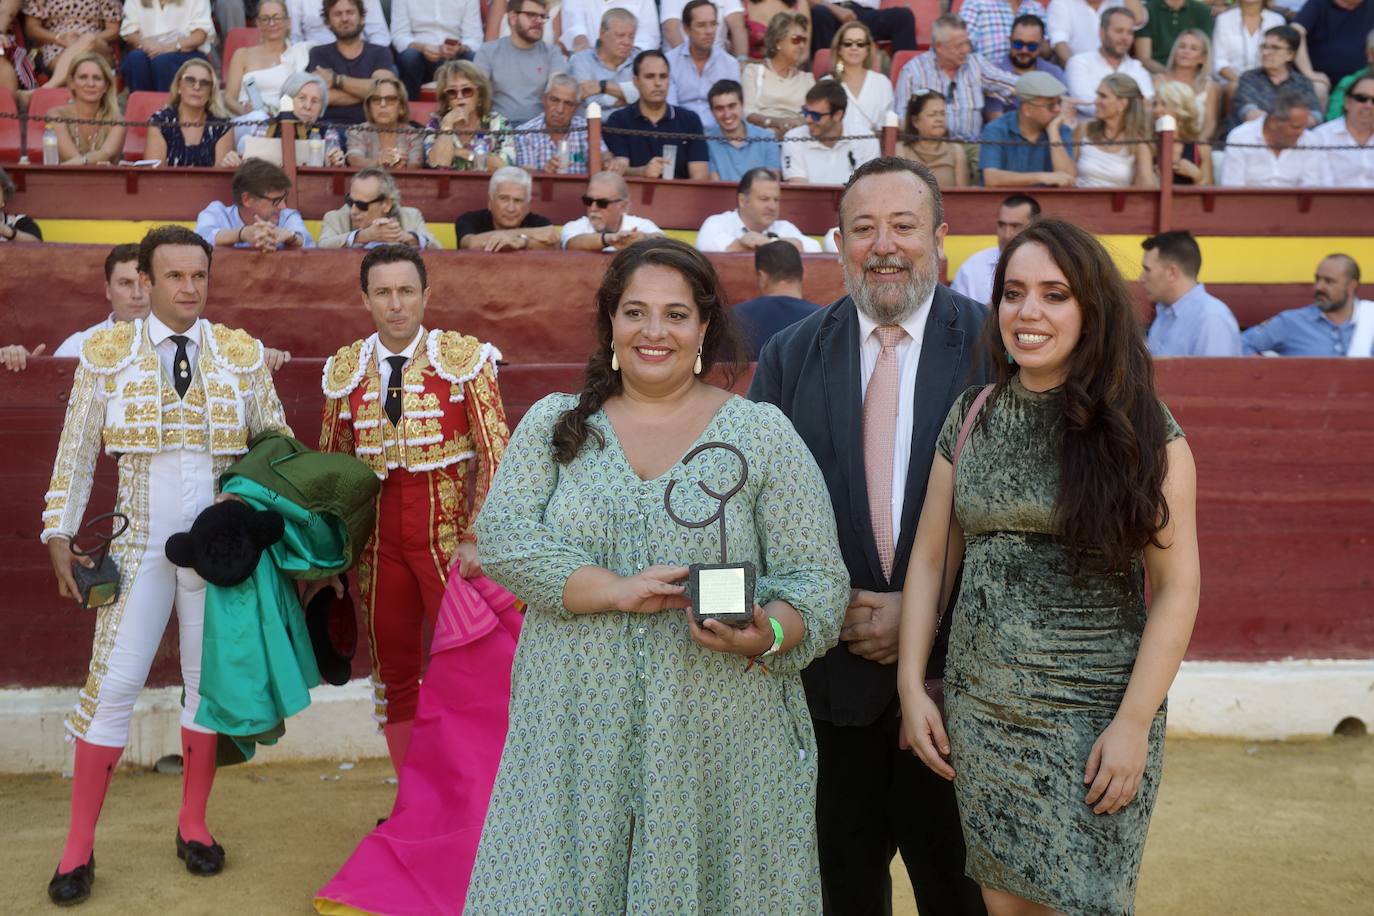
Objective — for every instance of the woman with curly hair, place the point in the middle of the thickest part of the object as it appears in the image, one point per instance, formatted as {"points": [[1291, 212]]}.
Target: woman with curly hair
{"points": [[1070, 484]]}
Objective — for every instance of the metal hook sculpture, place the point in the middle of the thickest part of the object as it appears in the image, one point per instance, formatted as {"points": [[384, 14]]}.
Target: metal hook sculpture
{"points": [[721, 498]]}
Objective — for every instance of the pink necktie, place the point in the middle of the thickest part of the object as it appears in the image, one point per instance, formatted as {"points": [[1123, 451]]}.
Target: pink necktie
{"points": [[880, 433]]}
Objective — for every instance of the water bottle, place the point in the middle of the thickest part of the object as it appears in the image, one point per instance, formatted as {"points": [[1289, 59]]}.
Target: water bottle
{"points": [[480, 147], [331, 143], [315, 145], [50, 156], [565, 165]]}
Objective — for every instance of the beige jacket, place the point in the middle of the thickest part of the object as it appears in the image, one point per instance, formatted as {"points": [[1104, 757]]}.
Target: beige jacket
{"points": [[337, 229]]}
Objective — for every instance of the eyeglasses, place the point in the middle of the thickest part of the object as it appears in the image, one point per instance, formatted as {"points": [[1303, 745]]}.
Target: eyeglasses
{"points": [[601, 203], [1360, 97], [386, 99], [848, 43], [353, 202], [1019, 45], [274, 201], [815, 117], [464, 92], [272, 20], [195, 83], [798, 39], [1268, 46], [537, 17]]}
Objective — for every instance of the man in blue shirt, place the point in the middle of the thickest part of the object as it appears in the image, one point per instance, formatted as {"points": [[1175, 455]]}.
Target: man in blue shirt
{"points": [[1015, 150], [1327, 327], [1023, 56], [642, 156], [258, 217], [1188, 320], [1336, 31], [778, 267], [699, 63], [736, 146]]}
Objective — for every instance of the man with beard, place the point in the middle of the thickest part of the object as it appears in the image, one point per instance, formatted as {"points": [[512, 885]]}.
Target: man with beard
{"points": [[349, 64], [1337, 323], [1026, 42], [867, 382], [1189, 321], [519, 65], [1086, 70]]}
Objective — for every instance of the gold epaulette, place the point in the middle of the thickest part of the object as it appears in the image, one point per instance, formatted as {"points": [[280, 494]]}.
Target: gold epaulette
{"points": [[111, 349], [235, 349], [344, 370], [457, 357]]}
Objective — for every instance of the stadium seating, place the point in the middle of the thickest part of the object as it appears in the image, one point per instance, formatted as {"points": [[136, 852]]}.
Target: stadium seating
{"points": [[141, 106], [820, 64], [11, 138], [421, 110], [43, 101], [925, 11], [237, 38], [898, 62]]}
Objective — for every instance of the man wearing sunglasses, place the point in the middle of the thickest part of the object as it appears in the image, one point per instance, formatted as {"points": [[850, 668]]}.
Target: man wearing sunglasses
{"points": [[608, 225], [818, 152], [519, 65], [1023, 55], [1352, 167], [258, 218], [426, 33], [372, 215], [990, 21]]}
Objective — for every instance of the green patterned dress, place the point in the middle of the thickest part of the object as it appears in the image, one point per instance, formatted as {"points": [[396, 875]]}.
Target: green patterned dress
{"points": [[1037, 667], [620, 719]]}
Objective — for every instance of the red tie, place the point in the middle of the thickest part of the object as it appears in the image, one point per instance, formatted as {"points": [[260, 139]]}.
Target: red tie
{"points": [[880, 433]]}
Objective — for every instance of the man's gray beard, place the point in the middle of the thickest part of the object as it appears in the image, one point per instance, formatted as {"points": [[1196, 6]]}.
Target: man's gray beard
{"points": [[913, 295]]}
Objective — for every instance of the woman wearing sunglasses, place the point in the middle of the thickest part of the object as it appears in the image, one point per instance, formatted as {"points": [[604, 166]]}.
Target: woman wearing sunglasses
{"points": [[384, 140], [465, 134], [194, 128], [925, 139], [256, 73], [854, 65], [775, 90]]}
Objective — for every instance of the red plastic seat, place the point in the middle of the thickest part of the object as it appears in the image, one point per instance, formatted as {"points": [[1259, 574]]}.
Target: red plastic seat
{"points": [[925, 11], [243, 37], [41, 102], [421, 110], [899, 60], [141, 106], [820, 64], [11, 138]]}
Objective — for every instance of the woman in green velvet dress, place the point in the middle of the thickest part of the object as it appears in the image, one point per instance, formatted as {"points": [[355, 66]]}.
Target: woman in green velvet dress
{"points": [[1073, 484]]}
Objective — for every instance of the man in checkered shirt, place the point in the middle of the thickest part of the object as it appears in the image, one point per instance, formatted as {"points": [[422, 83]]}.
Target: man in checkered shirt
{"points": [[539, 151]]}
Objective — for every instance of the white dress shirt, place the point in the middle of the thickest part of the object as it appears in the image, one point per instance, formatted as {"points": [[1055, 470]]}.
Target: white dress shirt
{"points": [[583, 17], [582, 226], [158, 21], [1350, 168], [1260, 168], [814, 162], [383, 354], [1086, 71], [908, 359], [720, 230], [161, 337], [1077, 24], [72, 345], [307, 22], [432, 21], [672, 9], [974, 278]]}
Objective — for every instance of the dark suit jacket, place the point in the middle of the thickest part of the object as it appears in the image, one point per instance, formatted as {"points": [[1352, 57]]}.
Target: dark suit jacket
{"points": [[811, 371], [765, 316]]}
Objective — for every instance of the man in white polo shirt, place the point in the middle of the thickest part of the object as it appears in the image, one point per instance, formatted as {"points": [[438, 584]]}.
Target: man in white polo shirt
{"points": [[1352, 167], [1270, 152], [1073, 25], [1086, 70], [754, 223], [975, 275], [607, 226], [815, 153]]}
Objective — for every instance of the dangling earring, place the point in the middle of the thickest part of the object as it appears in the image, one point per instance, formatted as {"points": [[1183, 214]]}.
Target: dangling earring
{"points": [[696, 369], [615, 360], [1010, 361]]}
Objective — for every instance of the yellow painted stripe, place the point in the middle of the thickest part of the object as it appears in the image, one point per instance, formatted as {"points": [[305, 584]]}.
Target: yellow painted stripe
{"points": [[1225, 259]]}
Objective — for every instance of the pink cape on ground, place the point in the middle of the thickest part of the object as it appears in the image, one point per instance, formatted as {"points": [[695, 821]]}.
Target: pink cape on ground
{"points": [[418, 862]]}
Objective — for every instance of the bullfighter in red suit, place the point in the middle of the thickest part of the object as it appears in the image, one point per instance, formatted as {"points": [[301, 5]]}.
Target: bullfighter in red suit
{"points": [[422, 409]]}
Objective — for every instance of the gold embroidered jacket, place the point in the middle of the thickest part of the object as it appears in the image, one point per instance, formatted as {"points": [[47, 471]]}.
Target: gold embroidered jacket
{"points": [[121, 396], [451, 410]]}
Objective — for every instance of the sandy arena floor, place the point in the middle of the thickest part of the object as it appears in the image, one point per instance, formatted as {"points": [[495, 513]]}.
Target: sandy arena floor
{"points": [[1240, 829]]}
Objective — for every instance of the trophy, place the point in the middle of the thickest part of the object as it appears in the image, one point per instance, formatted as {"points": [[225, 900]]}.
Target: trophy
{"points": [[99, 585], [721, 591]]}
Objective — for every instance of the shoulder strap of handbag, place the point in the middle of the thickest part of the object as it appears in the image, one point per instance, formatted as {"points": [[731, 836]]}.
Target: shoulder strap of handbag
{"points": [[1363, 338], [964, 431]]}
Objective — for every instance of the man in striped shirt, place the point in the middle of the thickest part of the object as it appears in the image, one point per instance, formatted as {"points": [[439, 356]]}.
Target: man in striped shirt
{"points": [[963, 79], [990, 23]]}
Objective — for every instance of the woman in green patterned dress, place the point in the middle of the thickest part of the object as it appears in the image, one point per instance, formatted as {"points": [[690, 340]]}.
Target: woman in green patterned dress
{"points": [[1073, 484], [654, 766]]}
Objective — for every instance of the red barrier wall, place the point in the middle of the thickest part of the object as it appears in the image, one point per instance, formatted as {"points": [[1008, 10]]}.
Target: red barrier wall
{"points": [[1286, 505]]}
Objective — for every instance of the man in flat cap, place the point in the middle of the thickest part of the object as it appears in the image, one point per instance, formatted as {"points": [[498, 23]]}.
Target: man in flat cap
{"points": [[1033, 145]]}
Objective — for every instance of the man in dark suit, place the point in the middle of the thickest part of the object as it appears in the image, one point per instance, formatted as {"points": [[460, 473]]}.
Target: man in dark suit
{"points": [[867, 382], [778, 268]]}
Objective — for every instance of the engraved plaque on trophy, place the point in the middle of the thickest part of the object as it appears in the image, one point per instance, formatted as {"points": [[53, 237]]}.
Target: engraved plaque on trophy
{"points": [[99, 585], [721, 591]]}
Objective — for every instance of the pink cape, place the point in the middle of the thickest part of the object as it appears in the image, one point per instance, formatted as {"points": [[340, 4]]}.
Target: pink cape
{"points": [[419, 861]]}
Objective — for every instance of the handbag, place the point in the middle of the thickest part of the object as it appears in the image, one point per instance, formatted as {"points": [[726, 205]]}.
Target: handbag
{"points": [[935, 686]]}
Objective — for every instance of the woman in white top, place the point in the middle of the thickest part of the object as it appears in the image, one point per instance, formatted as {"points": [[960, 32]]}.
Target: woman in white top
{"points": [[854, 63], [1106, 158], [256, 74], [1190, 63], [163, 34], [1236, 38], [775, 90]]}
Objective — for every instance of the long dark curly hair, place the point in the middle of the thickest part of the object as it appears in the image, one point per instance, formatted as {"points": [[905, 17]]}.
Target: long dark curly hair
{"points": [[1112, 459], [720, 348]]}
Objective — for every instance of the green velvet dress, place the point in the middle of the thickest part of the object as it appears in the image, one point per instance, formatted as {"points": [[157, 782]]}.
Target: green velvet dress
{"points": [[643, 773], [1037, 667]]}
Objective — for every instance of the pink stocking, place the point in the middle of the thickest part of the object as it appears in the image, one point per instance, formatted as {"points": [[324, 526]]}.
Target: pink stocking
{"points": [[91, 775], [197, 777]]}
